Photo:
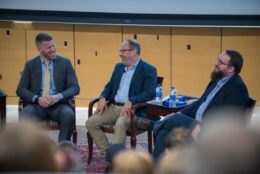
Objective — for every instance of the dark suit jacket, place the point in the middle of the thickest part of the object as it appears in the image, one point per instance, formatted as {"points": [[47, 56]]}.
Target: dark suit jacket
{"points": [[233, 94], [65, 79], [142, 86]]}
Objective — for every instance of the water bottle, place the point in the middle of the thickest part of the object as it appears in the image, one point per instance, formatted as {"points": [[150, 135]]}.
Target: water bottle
{"points": [[172, 98], [158, 98]]}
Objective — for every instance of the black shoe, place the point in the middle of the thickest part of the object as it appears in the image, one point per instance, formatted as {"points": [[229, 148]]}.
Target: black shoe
{"points": [[142, 123]]}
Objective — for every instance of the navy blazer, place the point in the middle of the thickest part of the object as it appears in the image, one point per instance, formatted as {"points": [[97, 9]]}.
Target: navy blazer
{"points": [[233, 94], [65, 79], [142, 85]]}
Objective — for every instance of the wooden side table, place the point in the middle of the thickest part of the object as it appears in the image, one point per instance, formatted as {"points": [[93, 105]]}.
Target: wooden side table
{"points": [[153, 109]]}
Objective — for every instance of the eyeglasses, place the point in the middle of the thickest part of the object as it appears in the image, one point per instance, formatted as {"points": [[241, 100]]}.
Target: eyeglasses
{"points": [[223, 63], [124, 50]]}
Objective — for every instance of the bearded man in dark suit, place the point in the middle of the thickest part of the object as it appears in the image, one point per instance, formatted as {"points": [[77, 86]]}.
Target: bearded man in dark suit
{"points": [[225, 91]]}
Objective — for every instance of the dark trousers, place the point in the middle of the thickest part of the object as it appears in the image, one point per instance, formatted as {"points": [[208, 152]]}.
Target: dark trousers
{"points": [[174, 121], [61, 113]]}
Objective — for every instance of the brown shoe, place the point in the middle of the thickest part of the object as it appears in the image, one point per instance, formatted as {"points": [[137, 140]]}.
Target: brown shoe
{"points": [[142, 123]]}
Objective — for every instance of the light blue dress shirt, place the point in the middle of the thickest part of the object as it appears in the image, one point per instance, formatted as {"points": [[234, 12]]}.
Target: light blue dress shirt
{"points": [[123, 90], [52, 85], [211, 95]]}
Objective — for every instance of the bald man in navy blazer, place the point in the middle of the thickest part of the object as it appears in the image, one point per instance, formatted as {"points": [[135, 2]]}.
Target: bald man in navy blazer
{"points": [[133, 81], [62, 83]]}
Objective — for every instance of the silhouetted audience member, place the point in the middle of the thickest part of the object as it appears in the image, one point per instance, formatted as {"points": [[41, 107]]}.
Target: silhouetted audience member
{"points": [[228, 146], [132, 162], [176, 161], [69, 159], [226, 89], [24, 148], [112, 151], [178, 137]]}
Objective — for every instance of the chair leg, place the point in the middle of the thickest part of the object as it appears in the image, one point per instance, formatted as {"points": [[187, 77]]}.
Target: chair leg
{"points": [[90, 147], [133, 142], [150, 141], [74, 136]]}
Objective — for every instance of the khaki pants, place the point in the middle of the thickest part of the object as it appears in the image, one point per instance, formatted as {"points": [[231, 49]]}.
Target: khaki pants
{"points": [[108, 117]]}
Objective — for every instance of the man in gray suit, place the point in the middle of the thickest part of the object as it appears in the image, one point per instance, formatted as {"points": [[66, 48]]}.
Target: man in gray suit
{"points": [[47, 84]]}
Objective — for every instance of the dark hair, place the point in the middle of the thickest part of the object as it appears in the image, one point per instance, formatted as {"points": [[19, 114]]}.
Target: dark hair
{"points": [[133, 44], [42, 37], [236, 60]]}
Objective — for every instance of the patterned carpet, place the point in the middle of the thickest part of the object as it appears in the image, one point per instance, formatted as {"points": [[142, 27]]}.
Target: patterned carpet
{"points": [[97, 165]]}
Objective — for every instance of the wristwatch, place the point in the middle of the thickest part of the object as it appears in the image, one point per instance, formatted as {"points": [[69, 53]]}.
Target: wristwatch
{"points": [[36, 100]]}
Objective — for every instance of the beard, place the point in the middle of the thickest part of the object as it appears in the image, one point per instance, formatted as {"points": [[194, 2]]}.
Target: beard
{"points": [[216, 75]]}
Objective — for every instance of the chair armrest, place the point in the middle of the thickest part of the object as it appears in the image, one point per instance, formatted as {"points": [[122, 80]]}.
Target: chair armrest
{"points": [[90, 106], [137, 106], [73, 105], [132, 116], [134, 109], [20, 105]]}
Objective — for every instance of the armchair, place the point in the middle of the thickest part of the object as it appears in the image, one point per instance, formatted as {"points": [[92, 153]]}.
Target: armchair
{"points": [[132, 131], [52, 125]]}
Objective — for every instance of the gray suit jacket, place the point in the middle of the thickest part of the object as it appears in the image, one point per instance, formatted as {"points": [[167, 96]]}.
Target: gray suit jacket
{"points": [[65, 79]]}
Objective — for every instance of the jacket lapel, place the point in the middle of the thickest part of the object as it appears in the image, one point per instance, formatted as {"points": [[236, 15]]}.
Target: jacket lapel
{"points": [[38, 72], [56, 70], [121, 71], [136, 75]]}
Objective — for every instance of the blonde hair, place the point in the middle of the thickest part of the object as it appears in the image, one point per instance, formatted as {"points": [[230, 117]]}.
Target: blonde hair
{"points": [[132, 161], [177, 161]]}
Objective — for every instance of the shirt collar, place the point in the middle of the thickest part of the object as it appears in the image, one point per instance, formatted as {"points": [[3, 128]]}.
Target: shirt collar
{"points": [[43, 59], [226, 78], [133, 66]]}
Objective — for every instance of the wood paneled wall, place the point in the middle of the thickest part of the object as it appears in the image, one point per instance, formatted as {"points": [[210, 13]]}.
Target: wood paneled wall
{"points": [[247, 41], [63, 35], [96, 49], [185, 57], [194, 52], [12, 58], [155, 49]]}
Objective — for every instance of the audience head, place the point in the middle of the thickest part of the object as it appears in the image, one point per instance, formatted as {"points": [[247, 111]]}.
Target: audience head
{"points": [[132, 162], [68, 157], [24, 148], [178, 137], [228, 146], [113, 150], [176, 161]]}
